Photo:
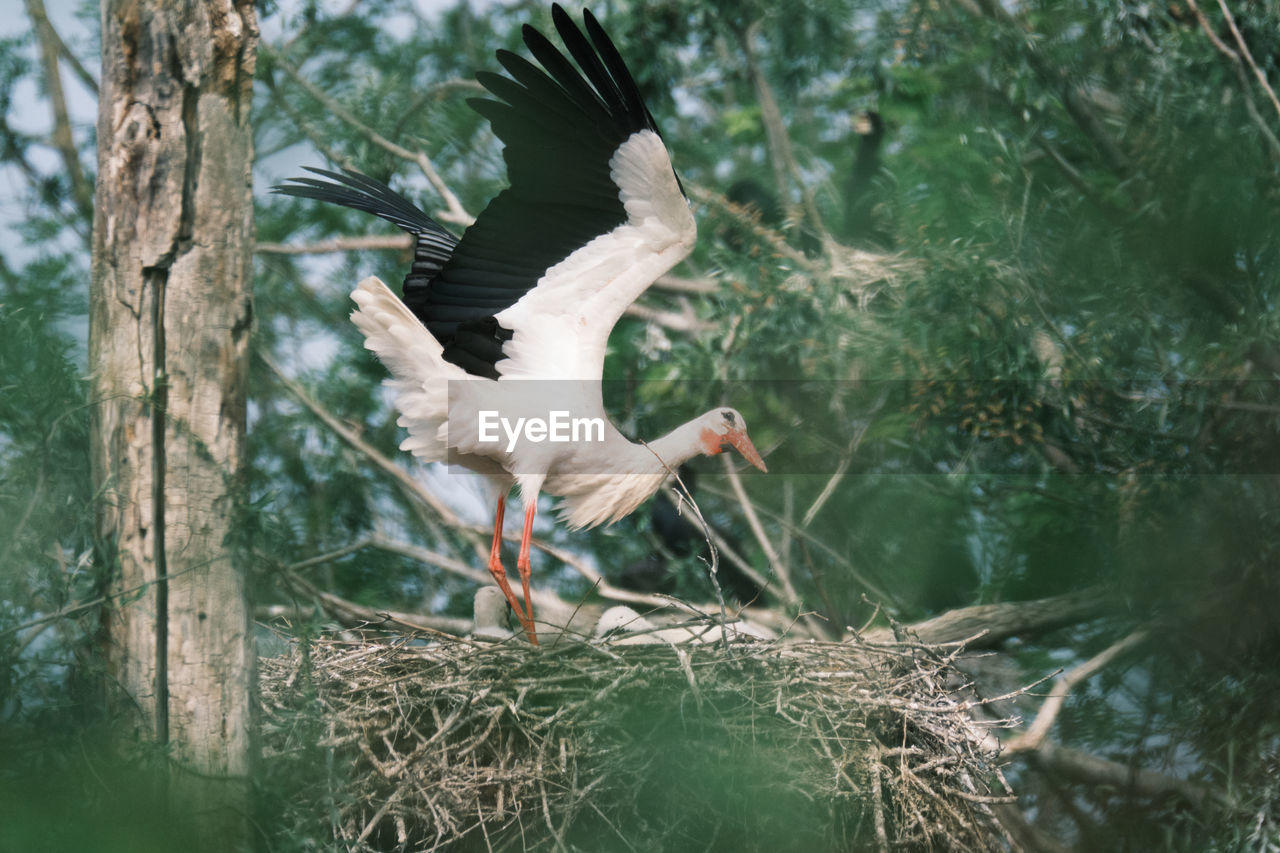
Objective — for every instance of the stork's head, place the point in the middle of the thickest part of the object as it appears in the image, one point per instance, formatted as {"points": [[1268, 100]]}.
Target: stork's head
{"points": [[722, 426]]}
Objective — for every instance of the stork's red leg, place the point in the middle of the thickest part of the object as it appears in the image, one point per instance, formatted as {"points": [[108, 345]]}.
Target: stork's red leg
{"points": [[500, 574], [522, 563]]}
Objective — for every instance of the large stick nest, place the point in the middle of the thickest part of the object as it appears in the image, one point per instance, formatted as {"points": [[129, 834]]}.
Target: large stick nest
{"points": [[401, 745]]}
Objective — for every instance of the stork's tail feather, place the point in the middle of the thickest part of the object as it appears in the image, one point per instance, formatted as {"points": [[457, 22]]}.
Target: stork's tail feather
{"points": [[415, 359]]}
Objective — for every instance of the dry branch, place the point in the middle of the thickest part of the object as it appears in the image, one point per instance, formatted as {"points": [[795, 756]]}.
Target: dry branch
{"points": [[51, 48], [1095, 770], [1238, 64], [1035, 734], [1248, 55], [453, 212], [353, 615], [410, 486], [998, 622], [401, 242]]}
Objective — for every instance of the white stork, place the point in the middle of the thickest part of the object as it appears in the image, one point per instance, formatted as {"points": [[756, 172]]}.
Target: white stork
{"points": [[622, 626], [594, 214]]}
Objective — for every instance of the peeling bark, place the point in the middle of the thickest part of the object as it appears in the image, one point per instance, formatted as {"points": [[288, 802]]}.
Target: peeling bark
{"points": [[170, 318]]}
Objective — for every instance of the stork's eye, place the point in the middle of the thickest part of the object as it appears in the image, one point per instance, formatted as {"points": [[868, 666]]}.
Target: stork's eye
{"points": [[729, 418]]}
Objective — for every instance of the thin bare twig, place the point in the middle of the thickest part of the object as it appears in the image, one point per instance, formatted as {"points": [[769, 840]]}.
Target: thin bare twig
{"points": [[402, 478], [454, 211], [398, 242], [881, 593], [51, 47], [1248, 55], [438, 92], [330, 556], [1238, 64], [781, 154], [779, 566], [353, 615], [1035, 734], [314, 136], [846, 459]]}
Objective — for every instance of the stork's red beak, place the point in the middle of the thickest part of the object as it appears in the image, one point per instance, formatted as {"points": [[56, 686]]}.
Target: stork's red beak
{"points": [[738, 438]]}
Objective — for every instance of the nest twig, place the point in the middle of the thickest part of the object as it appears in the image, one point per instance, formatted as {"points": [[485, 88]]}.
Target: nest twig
{"points": [[395, 745]]}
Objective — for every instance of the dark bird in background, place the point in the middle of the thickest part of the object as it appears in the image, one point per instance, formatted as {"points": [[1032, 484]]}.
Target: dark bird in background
{"points": [[859, 199]]}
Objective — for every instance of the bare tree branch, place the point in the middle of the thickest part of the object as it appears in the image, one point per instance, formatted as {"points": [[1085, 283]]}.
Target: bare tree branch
{"points": [[781, 154], [1248, 56], [51, 47], [1035, 734], [766, 235], [1273, 144], [438, 92], [776, 562], [1095, 770], [402, 478], [300, 121], [397, 242], [988, 625], [842, 560], [846, 459], [454, 211], [352, 615], [62, 51]]}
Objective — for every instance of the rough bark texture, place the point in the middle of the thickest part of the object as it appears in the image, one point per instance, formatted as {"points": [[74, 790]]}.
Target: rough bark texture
{"points": [[170, 321]]}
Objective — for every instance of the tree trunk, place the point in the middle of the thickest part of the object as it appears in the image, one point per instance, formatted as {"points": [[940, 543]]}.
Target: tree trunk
{"points": [[168, 342]]}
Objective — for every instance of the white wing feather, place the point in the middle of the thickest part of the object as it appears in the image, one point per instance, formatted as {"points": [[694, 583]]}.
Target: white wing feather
{"points": [[561, 327]]}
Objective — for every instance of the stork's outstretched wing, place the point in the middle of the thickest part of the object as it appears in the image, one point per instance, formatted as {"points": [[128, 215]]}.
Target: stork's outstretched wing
{"points": [[593, 215]]}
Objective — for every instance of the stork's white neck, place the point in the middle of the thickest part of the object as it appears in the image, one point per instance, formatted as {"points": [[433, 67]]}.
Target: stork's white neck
{"points": [[678, 446]]}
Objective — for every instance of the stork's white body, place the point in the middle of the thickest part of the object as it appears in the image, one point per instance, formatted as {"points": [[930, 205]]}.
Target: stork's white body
{"points": [[561, 330]]}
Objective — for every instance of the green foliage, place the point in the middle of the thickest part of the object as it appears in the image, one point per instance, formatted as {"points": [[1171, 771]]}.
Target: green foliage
{"points": [[1064, 380], [1062, 376]]}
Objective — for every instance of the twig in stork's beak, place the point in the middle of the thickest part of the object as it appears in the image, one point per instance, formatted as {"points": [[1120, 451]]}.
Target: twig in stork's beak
{"points": [[738, 438]]}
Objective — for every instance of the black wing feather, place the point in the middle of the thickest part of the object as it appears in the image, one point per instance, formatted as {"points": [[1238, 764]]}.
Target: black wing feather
{"points": [[433, 243], [588, 61]]}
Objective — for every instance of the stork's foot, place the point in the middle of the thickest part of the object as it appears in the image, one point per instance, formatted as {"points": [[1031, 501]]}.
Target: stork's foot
{"points": [[522, 565], [500, 576]]}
